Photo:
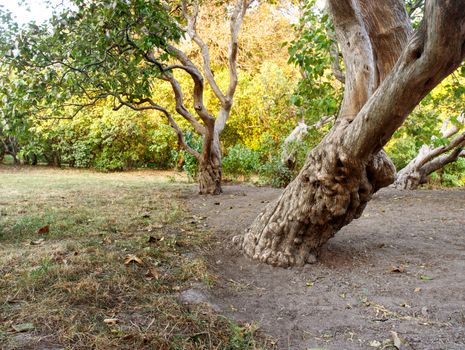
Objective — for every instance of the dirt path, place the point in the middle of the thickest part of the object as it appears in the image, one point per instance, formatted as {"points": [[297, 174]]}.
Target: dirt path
{"points": [[400, 268]]}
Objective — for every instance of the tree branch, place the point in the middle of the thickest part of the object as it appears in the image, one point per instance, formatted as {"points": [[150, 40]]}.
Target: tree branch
{"points": [[358, 56], [153, 106], [434, 51], [180, 107], [205, 52]]}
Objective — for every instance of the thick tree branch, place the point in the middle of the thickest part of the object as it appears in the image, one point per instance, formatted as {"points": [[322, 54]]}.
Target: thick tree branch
{"points": [[225, 99], [358, 56], [388, 35], [180, 107], [434, 51], [205, 52]]}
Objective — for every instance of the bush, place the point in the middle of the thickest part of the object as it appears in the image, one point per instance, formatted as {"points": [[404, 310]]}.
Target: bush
{"points": [[190, 163], [274, 173], [240, 161], [402, 151]]}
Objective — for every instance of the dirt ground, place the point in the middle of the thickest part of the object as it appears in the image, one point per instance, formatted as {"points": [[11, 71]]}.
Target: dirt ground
{"points": [[399, 268]]}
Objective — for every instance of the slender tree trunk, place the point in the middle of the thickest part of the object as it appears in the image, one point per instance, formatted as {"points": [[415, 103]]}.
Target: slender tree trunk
{"points": [[209, 175], [210, 172], [341, 174]]}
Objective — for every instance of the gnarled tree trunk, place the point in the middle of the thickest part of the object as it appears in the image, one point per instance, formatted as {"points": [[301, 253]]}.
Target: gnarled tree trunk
{"points": [[209, 177], [341, 174]]}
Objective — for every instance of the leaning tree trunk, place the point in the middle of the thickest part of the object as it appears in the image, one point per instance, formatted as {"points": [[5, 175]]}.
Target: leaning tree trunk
{"points": [[341, 174]]}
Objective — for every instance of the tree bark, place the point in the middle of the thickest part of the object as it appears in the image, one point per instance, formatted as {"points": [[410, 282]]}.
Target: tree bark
{"points": [[210, 172], [342, 173]]}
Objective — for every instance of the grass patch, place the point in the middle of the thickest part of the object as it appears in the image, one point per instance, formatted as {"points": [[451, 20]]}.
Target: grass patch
{"points": [[106, 275]]}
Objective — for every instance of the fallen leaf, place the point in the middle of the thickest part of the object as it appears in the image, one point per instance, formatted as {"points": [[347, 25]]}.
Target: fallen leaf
{"points": [[398, 269], [424, 311], [38, 241], [396, 340], [426, 277], [374, 344], [23, 327], [111, 321], [417, 290], [44, 230], [153, 239], [133, 259], [153, 273]]}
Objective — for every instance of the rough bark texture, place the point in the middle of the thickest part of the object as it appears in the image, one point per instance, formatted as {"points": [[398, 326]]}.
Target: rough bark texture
{"points": [[210, 175], [331, 190], [341, 174]]}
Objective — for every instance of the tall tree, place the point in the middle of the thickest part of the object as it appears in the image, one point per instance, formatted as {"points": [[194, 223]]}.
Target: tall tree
{"points": [[121, 50], [389, 69]]}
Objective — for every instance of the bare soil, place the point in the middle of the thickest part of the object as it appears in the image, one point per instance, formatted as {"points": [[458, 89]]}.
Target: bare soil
{"points": [[399, 268]]}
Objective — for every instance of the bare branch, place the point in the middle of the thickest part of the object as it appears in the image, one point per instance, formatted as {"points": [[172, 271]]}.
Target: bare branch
{"points": [[180, 107], [205, 52], [441, 161], [448, 129], [457, 142], [199, 106]]}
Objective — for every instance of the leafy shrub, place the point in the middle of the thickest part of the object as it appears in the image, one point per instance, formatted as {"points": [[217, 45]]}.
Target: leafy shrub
{"points": [[402, 151], [452, 175], [190, 163], [240, 161], [274, 173]]}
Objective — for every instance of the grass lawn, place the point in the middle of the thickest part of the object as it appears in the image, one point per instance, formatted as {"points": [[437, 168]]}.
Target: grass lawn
{"points": [[97, 261]]}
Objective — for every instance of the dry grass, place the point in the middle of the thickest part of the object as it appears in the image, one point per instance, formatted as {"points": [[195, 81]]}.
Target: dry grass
{"points": [[63, 287]]}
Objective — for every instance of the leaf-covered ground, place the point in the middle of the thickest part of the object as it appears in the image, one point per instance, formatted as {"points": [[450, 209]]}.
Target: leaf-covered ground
{"points": [[99, 261]]}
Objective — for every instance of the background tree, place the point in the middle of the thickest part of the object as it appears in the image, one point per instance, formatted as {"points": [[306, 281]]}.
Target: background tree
{"points": [[121, 50], [388, 71]]}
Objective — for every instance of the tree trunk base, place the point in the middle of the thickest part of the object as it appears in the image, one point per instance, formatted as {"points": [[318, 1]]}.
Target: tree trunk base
{"points": [[210, 179], [329, 192]]}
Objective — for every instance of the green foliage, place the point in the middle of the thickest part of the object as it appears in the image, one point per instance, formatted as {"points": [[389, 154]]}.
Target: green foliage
{"points": [[190, 163], [318, 93], [89, 50], [274, 173], [452, 175], [402, 151], [261, 106], [240, 161]]}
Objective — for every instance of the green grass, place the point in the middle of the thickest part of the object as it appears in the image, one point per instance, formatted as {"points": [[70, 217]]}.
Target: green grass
{"points": [[74, 277]]}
